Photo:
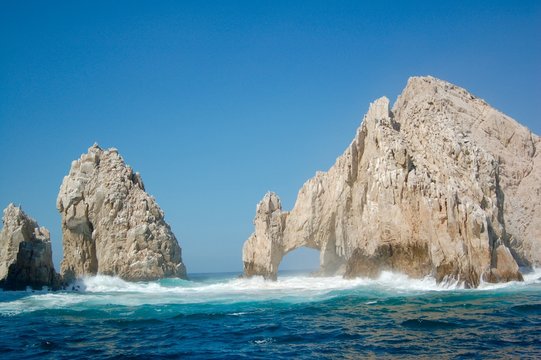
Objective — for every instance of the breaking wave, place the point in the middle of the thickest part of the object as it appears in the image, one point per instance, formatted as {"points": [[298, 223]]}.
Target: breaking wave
{"points": [[100, 291]]}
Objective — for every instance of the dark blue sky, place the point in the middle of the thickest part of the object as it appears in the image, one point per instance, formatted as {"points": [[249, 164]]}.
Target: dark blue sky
{"points": [[214, 103]]}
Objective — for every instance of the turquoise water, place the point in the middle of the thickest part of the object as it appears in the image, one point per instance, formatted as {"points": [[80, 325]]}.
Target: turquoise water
{"points": [[223, 317]]}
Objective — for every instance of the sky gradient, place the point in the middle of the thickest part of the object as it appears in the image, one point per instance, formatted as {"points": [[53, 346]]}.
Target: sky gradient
{"points": [[215, 103]]}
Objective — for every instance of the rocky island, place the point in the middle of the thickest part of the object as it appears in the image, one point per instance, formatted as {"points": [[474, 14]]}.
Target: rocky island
{"points": [[442, 184], [110, 225], [25, 253]]}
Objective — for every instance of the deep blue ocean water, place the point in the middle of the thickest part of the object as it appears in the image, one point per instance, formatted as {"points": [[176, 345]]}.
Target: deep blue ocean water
{"points": [[220, 316]]}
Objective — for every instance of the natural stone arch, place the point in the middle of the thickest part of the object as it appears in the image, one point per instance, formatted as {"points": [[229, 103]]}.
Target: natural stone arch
{"points": [[419, 190], [274, 237]]}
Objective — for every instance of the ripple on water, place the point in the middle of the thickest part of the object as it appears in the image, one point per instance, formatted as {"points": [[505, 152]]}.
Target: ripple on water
{"points": [[428, 325], [533, 309]]}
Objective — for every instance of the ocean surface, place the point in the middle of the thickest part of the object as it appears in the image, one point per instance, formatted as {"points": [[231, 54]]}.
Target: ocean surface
{"points": [[219, 316]]}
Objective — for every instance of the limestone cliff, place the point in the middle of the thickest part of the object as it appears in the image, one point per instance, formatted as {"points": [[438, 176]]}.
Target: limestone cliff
{"points": [[442, 185], [110, 225], [25, 253]]}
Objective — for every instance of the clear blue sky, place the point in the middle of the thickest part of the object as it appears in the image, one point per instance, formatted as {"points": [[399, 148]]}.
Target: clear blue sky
{"points": [[214, 103]]}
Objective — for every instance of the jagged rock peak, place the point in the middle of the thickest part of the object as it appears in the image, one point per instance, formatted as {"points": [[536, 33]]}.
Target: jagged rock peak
{"points": [[110, 225], [269, 222], [442, 185], [25, 253], [269, 204]]}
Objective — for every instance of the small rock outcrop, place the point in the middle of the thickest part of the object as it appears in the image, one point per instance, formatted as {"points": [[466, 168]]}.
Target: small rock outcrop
{"points": [[25, 253], [442, 184], [110, 225]]}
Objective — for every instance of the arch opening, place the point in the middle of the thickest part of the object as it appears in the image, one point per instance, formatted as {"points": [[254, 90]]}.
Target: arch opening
{"points": [[303, 260]]}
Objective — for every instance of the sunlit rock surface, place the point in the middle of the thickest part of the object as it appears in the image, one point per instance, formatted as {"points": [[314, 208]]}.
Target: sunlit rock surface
{"points": [[110, 225], [25, 253], [442, 184]]}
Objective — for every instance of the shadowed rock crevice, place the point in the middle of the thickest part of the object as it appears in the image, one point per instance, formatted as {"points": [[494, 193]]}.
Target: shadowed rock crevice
{"points": [[441, 184], [412, 259]]}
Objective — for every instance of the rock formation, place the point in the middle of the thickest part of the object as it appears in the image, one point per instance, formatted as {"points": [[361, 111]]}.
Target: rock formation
{"points": [[442, 185], [25, 253], [110, 225]]}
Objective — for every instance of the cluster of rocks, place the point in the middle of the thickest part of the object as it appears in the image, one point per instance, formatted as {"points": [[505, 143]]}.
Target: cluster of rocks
{"points": [[442, 184], [110, 226]]}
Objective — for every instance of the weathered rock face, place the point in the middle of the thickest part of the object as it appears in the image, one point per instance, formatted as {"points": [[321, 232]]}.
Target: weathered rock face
{"points": [[25, 253], [442, 185], [110, 225]]}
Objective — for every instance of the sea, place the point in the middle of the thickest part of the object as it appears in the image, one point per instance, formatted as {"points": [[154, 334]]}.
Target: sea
{"points": [[222, 316]]}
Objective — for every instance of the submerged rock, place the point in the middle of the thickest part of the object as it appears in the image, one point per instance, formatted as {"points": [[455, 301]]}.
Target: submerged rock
{"points": [[442, 185], [110, 225], [25, 253]]}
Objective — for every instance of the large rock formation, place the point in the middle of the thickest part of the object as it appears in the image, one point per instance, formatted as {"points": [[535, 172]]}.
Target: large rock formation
{"points": [[442, 185], [110, 225], [25, 253]]}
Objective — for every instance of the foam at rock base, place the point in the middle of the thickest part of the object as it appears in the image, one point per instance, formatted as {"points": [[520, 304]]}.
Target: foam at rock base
{"points": [[98, 291]]}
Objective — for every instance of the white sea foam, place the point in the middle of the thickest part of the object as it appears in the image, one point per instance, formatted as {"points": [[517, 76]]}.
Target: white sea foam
{"points": [[99, 291], [256, 286], [103, 283], [532, 277], [40, 301], [106, 290]]}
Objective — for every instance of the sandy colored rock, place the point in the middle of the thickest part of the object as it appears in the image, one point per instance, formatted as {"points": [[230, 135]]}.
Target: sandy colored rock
{"points": [[442, 185], [25, 253], [110, 225]]}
